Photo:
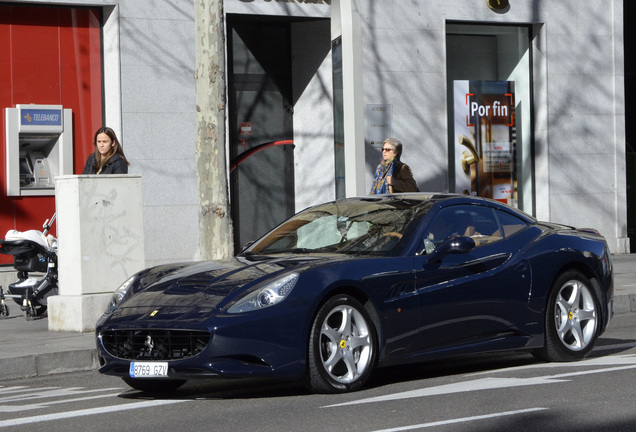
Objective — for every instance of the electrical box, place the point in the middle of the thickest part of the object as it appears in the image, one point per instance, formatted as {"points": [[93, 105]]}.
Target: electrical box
{"points": [[39, 147]]}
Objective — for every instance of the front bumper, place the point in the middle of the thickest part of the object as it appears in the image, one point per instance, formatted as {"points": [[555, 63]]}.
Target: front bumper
{"points": [[241, 345]]}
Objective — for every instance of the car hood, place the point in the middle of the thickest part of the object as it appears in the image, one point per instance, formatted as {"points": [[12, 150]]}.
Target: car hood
{"points": [[207, 285]]}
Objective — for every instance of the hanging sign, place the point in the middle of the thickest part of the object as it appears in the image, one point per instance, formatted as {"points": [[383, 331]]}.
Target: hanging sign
{"points": [[246, 128]]}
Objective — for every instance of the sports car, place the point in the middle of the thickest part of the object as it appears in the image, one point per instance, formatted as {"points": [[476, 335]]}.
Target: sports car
{"points": [[352, 285]]}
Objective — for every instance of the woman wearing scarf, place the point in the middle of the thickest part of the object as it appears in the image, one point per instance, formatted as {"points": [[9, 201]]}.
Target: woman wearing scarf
{"points": [[392, 175]]}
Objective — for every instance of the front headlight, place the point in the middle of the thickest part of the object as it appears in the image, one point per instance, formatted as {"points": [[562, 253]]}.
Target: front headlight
{"points": [[119, 295], [267, 295]]}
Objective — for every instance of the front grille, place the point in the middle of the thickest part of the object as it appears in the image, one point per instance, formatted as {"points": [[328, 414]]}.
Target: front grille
{"points": [[149, 344]]}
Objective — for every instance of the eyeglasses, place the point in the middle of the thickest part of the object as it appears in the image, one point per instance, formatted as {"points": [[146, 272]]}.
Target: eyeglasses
{"points": [[387, 149]]}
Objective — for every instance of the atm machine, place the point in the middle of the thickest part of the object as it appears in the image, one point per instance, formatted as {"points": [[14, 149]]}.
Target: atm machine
{"points": [[39, 147]]}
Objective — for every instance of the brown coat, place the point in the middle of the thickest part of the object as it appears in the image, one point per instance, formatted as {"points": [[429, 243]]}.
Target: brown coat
{"points": [[402, 179]]}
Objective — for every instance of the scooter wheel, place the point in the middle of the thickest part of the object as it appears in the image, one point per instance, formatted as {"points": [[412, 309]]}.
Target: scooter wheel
{"points": [[4, 311]]}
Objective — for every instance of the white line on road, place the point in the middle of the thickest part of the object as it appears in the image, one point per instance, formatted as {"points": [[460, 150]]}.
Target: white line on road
{"points": [[86, 412], [50, 392], [461, 420], [619, 362], [627, 359], [36, 406], [614, 347], [460, 387]]}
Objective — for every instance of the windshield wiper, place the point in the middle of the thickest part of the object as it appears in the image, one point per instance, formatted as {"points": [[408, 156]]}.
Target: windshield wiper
{"points": [[289, 250]]}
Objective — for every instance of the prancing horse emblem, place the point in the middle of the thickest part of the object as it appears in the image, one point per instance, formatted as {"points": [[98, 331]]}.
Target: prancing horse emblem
{"points": [[149, 344]]}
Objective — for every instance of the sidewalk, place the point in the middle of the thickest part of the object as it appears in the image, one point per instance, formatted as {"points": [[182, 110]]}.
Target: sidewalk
{"points": [[28, 348]]}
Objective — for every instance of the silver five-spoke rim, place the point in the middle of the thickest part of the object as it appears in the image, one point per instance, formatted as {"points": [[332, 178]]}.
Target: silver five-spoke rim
{"points": [[575, 315], [345, 344]]}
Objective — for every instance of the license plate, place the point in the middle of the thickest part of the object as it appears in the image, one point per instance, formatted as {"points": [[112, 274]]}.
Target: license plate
{"points": [[148, 369]]}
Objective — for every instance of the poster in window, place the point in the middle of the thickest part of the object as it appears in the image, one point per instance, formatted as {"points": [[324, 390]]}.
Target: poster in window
{"points": [[484, 145]]}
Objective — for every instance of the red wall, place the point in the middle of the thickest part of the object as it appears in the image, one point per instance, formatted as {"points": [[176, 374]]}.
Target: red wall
{"points": [[50, 56]]}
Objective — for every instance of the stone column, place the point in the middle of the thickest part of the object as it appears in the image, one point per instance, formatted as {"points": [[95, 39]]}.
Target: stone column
{"points": [[100, 237]]}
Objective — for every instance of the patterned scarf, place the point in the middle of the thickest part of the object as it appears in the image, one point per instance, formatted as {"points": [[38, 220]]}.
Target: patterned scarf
{"points": [[379, 181]]}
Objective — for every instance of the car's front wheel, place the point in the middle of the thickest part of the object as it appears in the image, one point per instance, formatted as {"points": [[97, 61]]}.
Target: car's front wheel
{"points": [[572, 319], [151, 385], [342, 346]]}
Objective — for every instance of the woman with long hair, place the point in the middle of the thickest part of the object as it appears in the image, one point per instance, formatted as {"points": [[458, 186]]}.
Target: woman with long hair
{"points": [[108, 156]]}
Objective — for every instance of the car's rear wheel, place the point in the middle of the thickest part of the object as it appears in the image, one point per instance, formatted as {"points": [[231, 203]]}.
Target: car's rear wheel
{"points": [[154, 385], [572, 318], [342, 346]]}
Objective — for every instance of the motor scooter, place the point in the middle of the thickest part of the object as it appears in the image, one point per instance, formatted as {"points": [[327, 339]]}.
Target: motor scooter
{"points": [[35, 258]]}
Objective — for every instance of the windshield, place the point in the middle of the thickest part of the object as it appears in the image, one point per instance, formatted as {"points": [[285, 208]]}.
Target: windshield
{"points": [[348, 227]]}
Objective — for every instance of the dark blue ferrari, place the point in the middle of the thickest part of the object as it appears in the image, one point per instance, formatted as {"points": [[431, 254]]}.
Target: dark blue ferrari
{"points": [[356, 284]]}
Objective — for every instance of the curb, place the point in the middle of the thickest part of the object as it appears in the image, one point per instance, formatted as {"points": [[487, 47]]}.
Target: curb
{"points": [[29, 366], [624, 304]]}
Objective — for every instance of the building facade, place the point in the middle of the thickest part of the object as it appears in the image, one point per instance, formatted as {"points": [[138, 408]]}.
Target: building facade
{"points": [[440, 70], [326, 81]]}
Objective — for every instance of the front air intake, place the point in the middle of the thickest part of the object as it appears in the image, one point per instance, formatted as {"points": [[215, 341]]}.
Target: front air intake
{"points": [[150, 344]]}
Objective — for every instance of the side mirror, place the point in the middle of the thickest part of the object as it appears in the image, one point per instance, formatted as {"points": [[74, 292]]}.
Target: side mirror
{"points": [[248, 244], [452, 245]]}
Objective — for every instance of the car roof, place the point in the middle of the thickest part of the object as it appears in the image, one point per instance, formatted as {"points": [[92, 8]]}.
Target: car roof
{"points": [[444, 199]]}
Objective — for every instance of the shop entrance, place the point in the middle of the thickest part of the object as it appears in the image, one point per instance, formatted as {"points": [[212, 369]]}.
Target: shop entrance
{"points": [[489, 94], [260, 112]]}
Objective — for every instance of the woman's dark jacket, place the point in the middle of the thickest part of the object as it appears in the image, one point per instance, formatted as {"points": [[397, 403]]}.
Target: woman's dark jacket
{"points": [[402, 179], [115, 165]]}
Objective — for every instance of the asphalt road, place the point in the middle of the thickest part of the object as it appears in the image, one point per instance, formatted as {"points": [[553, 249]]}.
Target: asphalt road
{"points": [[476, 393]]}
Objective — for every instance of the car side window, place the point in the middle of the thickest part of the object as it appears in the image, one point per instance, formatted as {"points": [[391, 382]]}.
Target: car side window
{"points": [[477, 222], [510, 223]]}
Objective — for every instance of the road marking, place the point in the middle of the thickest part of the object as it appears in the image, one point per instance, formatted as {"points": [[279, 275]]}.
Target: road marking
{"points": [[461, 420], [86, 412], [16, 399], [621, 362], [28, 407], [614, 360], [48, 392], [462, 387], [614, 347], [14, 389]]}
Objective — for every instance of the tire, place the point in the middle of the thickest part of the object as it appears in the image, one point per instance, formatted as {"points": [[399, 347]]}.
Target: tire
{"points": [[4, 311], [572, 319], [342, 347], [30, 313], [154, 385]]}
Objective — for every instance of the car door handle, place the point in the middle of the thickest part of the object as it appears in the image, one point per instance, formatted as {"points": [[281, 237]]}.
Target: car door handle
{"points": [[486, 263]]}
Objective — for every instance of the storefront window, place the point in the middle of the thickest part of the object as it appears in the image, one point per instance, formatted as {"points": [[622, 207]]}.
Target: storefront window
{"points": [[489, 112]]}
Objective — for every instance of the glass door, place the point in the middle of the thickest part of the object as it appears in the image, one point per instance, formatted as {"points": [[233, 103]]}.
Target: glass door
{"points": [[262, 185]]}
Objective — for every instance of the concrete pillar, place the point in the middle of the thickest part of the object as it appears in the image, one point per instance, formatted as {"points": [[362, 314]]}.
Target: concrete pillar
{"points": [[100, 237], [346, 22]]}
